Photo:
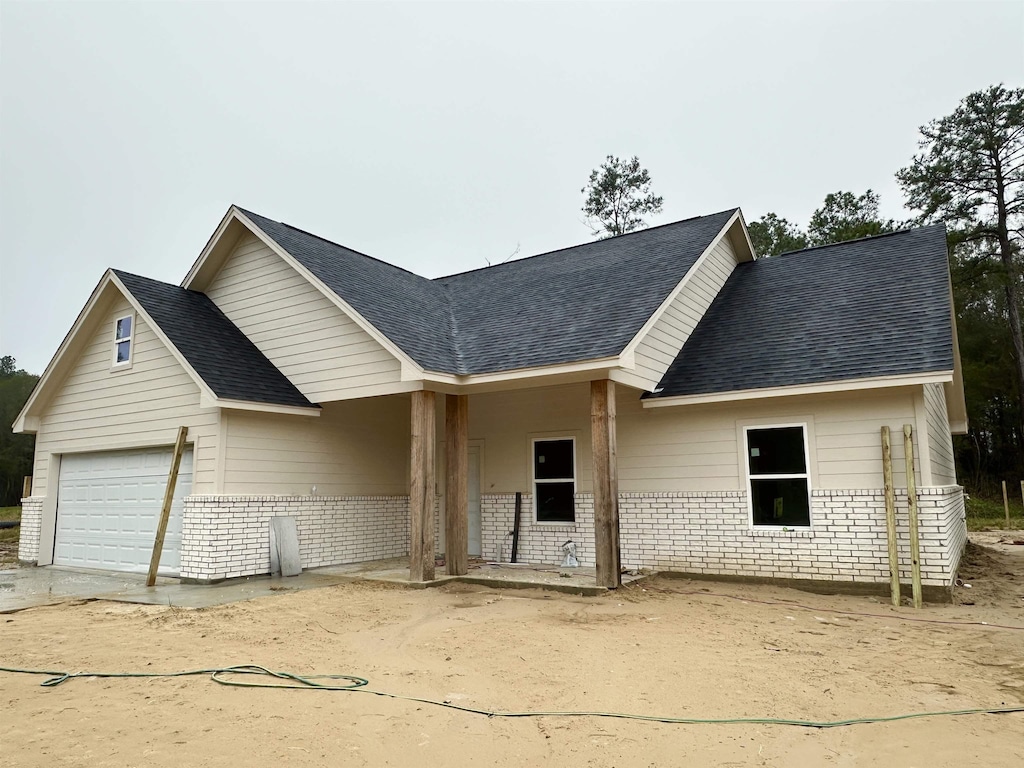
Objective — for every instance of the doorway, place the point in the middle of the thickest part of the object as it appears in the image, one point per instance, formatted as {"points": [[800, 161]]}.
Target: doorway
{"points": [[475, 541]]}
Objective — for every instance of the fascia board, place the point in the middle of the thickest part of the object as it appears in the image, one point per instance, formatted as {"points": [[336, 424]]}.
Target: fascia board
{"points": [[24, 422], [248, 405], [630, 349], [879, 382]]}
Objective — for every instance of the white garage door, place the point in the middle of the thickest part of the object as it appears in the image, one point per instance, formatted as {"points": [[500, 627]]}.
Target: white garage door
{"points": [[108, 506]]}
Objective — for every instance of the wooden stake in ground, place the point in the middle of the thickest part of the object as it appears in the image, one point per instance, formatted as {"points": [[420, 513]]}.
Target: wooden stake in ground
{"points": [[890, 516], [915, 543], [26, 487], [1006, 506], [165, 510]]}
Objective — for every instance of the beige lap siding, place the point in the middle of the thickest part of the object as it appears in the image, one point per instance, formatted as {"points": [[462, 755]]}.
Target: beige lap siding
{"points": [[96, 408], [354, 448], [662, 343], [324, 353], [709, 533], [940, 441], [31, 525], [690, 448], [700, 448]]}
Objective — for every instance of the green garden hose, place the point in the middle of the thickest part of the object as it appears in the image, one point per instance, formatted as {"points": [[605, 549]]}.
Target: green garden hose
{"points": [[235, 676]]}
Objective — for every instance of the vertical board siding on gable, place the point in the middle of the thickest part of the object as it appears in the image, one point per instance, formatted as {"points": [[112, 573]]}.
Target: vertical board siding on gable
{"points": [[354, 448], [664, 340], [98, 409], [316, 345], [940, 440]]}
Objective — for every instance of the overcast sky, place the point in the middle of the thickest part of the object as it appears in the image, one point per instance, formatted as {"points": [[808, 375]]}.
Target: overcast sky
{"points": [[440, 136]]}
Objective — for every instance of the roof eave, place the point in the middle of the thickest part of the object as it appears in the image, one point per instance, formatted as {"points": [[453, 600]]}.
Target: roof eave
{"points": [[542, 375], [745, 244], [813, 388], [956, 398], [263, 407]]}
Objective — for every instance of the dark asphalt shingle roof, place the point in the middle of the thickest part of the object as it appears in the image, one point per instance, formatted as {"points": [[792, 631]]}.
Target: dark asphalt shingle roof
{"points": [[565, 306], [872, 307], [220, 353], [574, 304]]}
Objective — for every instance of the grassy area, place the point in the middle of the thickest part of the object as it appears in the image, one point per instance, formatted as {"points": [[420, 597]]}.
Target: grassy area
{"points": [[985, 513], [10, 513]]}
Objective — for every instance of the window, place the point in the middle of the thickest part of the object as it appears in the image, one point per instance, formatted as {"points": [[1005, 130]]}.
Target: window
{"points": [[778, 476], [123, 340], [554, 480]]}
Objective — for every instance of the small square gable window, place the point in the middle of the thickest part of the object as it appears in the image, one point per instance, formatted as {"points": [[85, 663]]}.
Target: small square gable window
{"points": [[123, 328]]}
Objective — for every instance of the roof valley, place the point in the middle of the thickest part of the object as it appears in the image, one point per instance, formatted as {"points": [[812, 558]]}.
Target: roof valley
{"points": [[453, 331]]}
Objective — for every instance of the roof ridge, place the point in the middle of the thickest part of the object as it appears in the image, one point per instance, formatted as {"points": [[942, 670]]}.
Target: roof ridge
{"points": [[584, 245], [901, 231], [335, 244], [119, 272]]}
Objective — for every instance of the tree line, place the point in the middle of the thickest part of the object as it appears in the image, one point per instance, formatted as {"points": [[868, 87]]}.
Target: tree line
{"points": [[16, 451]]}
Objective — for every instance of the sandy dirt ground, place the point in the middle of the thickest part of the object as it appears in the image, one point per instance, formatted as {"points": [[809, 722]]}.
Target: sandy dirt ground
{"points": [[669, 647]]}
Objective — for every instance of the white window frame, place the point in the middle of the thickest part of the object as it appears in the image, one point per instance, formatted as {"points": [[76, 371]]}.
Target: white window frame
{"points": [[534, 482], [805, 475], [124, 365]]}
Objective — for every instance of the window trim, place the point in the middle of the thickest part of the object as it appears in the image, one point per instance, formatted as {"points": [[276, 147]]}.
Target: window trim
{"points": [[534, 481], [125, 364], [805, 475]]}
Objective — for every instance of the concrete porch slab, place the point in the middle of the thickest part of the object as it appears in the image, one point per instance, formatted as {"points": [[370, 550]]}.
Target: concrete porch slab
{"points": [[576, 581], [22, 588]]}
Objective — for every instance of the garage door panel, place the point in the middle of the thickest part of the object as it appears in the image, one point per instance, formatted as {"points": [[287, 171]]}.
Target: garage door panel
{"points": [[108, 507]]}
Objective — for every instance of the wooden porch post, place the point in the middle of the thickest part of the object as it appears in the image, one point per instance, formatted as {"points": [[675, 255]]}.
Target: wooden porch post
{"points": [[606, 483], [421, 488], [456, 489]]}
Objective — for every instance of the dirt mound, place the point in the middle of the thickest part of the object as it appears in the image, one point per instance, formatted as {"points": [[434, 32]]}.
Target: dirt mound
{"points": [[995, 572]]}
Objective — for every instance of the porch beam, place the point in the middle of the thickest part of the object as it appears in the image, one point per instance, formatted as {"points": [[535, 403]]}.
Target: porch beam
{"points": [[606, 483], [421, 487], [456, 504]]}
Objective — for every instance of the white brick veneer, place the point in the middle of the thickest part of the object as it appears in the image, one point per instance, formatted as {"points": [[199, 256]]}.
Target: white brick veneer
{"points": [[708, 532], [31, 528], [229, 536]]}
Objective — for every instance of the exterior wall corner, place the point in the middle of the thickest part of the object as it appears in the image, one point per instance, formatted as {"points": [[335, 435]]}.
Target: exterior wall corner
{"points": [[31, 529]]}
